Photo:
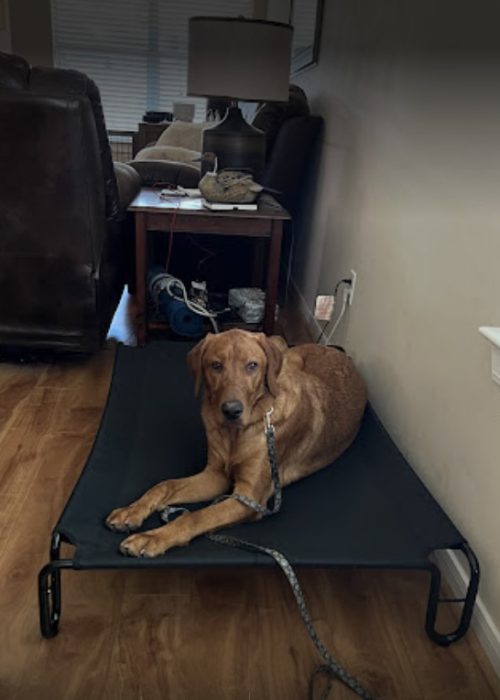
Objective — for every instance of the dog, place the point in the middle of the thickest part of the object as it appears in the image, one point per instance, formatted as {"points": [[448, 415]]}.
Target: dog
{"points": [[318, 400]]}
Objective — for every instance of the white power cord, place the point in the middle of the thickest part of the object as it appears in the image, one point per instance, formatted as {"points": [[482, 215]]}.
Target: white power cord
{"points": [[341, 316], [173, 282]]}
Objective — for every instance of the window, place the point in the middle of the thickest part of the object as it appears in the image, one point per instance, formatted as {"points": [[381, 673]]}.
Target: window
{"points": [[135, 50]]}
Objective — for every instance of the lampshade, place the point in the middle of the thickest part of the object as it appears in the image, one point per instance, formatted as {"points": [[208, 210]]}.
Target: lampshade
{"points": [[239, 58]]}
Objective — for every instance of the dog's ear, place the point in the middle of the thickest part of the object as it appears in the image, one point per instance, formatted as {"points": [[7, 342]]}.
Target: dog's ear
{"points": [[274, 347], [195, 362]]}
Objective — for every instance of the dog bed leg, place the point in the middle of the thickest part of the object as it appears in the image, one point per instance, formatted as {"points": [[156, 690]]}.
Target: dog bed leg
{"points": [[468, 601], [49, 589]]}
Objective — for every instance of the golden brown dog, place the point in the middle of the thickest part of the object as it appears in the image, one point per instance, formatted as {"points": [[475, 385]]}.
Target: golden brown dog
{"points": [[318, 400]]}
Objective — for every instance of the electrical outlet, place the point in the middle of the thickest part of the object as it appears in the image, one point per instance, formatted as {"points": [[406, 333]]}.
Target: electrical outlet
{"points": [[351, 289], [323, 309]]}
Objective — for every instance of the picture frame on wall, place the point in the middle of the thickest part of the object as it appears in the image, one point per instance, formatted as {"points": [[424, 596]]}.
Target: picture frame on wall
{"points": [[306, 18]]}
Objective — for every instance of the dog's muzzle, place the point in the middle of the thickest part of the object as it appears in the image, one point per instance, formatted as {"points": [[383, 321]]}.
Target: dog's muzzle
{"points": [[232, 410]]}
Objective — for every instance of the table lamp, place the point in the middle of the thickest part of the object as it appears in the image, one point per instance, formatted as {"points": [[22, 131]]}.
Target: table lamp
{"points": [[238, 59]]}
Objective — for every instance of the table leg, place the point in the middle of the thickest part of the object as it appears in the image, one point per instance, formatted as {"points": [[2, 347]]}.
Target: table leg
{"points": [[140, 277], [259, 252], [273, 273]]}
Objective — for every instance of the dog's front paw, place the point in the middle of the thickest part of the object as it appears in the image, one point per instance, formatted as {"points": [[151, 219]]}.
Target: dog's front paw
{"points": [[126, 519], [144, 544]]}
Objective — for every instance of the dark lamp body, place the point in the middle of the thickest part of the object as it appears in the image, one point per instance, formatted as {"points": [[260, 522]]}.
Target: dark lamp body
{"points": [[237, 144]]}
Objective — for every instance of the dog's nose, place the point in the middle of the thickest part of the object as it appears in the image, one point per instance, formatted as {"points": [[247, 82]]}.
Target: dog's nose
{"points": [[232, 410]]}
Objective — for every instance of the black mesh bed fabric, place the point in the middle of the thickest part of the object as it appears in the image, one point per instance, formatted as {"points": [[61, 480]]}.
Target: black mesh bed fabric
{"points": [[368, 509]]}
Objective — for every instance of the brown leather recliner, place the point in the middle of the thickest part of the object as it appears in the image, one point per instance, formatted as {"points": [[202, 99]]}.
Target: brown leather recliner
{"points": [[65, 238]]}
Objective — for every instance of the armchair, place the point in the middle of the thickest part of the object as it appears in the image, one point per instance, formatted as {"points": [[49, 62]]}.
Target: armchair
{"points": [[65, 238]]}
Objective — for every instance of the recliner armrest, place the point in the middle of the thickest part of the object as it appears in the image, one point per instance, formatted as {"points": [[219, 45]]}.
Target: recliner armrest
{"points": [[129, 184], [154, 172]]}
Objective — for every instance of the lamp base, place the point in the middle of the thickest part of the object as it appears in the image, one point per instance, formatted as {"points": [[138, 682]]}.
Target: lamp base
{"points": [[237, 144]]}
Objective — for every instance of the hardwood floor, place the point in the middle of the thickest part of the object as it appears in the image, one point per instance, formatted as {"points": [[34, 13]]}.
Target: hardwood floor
{"points": [[185, 634]]}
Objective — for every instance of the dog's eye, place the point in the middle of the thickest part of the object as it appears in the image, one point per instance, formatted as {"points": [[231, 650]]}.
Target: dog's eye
{"points": [[251, 366], [217, 366]]}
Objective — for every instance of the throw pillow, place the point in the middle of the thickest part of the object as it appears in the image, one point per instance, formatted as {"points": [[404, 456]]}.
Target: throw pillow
{"points": [[173, 153], [184, 134]]}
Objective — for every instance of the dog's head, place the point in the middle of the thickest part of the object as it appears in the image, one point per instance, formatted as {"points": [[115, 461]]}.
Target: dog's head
{"points": [[237, 368]]}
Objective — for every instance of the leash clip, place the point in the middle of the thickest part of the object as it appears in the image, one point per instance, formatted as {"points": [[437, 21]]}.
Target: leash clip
{"points": [[267, 421]]}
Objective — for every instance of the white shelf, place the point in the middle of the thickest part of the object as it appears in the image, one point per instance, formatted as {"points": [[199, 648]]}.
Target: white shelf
{"points": [[493, 335]]}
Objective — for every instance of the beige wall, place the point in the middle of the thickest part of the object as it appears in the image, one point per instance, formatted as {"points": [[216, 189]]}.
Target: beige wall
{"points": [[278, 10], [407, 195], [31, 30]]}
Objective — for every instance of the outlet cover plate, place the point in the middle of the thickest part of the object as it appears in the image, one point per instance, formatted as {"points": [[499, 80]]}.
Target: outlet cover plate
{"points": [[323, 309]]}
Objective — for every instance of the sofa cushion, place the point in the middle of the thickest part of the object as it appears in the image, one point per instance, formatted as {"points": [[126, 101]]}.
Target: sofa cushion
{"points": [[184, 134], [176, 153]]}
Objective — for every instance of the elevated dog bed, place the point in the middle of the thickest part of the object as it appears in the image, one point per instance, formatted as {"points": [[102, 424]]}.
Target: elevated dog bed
{"points": [[368, 509]]}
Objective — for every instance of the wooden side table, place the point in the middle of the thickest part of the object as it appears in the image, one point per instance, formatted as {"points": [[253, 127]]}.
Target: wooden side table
{"points": [[183, 215]]}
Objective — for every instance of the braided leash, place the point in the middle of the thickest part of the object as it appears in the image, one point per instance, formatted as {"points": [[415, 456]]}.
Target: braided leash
{"points": [[331, 668], [273, 460]]}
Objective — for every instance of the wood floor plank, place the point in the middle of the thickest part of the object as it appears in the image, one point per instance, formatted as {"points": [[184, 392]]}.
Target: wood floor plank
{"points": [[17, 381], [197, 634]]}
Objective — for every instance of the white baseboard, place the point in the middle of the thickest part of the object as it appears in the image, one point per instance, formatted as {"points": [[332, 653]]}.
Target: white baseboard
{"points": [[482, 623]]}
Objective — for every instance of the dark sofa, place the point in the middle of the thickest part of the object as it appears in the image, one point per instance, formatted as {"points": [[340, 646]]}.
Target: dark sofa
{"points": [[65, 238]]}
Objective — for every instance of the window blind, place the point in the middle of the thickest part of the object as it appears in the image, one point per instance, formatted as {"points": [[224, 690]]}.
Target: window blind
{"points": [[135, 50]]}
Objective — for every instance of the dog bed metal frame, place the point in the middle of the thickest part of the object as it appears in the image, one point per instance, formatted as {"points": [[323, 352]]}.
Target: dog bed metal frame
{"points": [[367, 510]]}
